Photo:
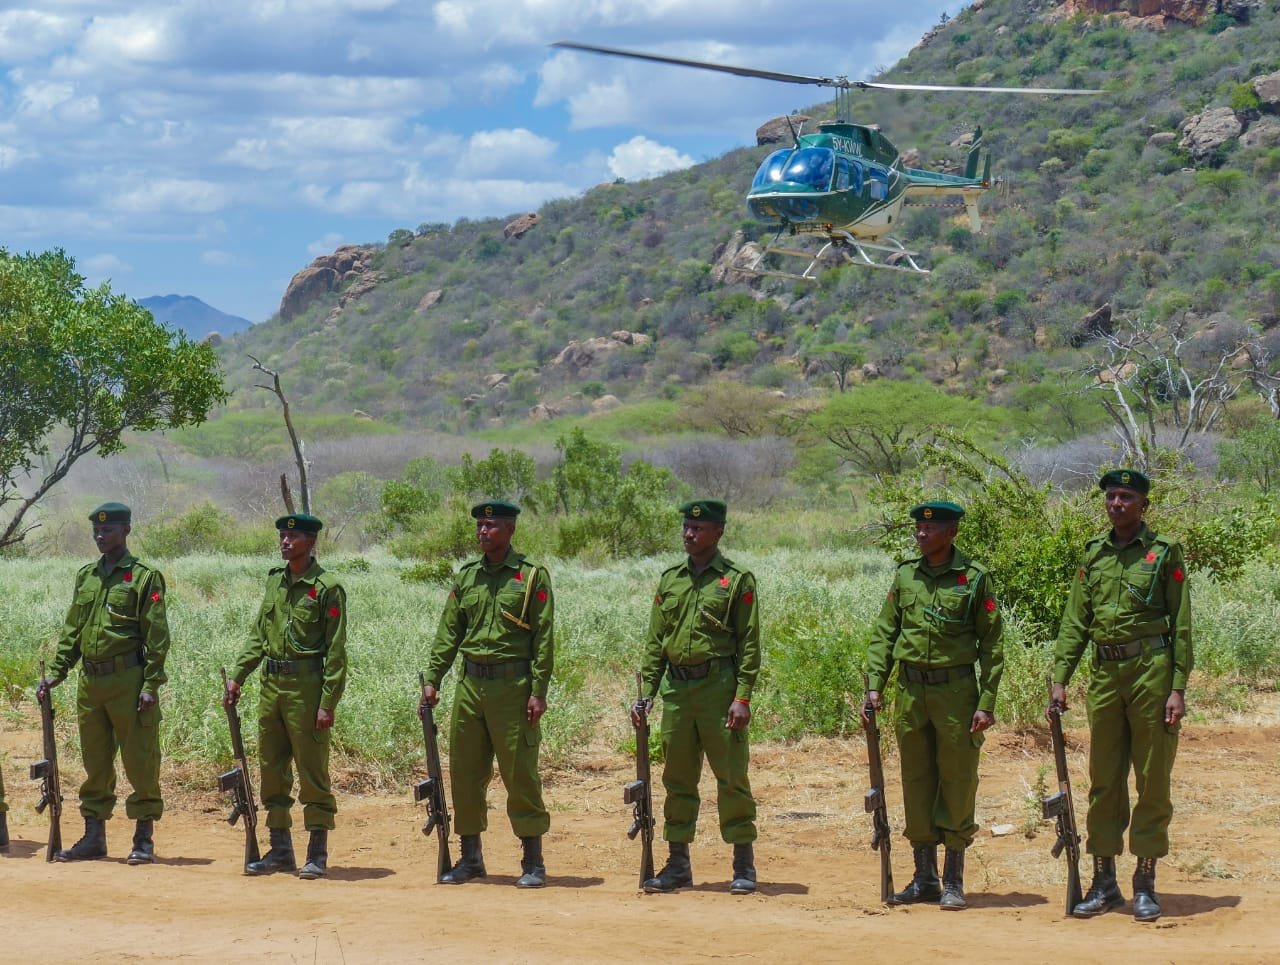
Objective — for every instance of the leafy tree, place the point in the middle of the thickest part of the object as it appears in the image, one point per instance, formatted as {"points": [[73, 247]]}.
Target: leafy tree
{"points": [[839, 359], [1254, 455], [736, 410], [503, 474], [90, 363]]}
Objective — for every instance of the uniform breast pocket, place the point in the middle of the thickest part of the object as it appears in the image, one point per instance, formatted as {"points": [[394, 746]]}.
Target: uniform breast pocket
{"points": [[669, 608], [511, 599], [122, 604], [305, 632], [714, 613]]}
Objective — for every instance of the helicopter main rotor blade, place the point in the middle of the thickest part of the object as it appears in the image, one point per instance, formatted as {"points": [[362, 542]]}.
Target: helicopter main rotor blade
{"points": [[703, 65], [839, 82], [875, 85]]}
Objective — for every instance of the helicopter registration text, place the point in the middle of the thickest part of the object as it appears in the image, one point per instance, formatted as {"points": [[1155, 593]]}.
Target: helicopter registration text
{"points": [[846, 145]]}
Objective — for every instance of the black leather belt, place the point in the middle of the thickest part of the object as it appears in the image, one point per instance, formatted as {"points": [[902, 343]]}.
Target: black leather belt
{"points": [[924, 675], [100, 668], [497, 671], [291, 668], [697, 671], [1124, 651]]}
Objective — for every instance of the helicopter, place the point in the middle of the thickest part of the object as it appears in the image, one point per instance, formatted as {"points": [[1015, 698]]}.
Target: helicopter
{"points": [[847, 183]]}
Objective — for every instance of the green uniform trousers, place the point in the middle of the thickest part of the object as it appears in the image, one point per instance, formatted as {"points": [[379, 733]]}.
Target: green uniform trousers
{"points": [[3, 806], [1126, 701], [490, 719], [693, 716], [107, 709], [939, 761], [287, 736]]}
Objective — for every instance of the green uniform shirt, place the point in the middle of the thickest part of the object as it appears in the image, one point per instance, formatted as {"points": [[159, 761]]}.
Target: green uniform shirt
{"points": [[116, 612], [480, 619], [1125, 593], [300, 619], [697, 618], [940, 616]]}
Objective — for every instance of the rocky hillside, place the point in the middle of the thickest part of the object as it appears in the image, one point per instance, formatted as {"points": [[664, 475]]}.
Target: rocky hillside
{"points": [[1156, 200]]}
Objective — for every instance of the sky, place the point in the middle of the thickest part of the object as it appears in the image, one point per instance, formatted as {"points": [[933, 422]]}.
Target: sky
{"points": [[214, 148]]}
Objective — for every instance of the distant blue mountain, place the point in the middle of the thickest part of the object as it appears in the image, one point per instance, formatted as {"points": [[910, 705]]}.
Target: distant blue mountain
{"points": [[192, 315]]}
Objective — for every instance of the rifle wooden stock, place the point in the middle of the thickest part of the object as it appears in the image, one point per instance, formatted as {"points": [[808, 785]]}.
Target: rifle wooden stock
{"points": [[236, 783], [877, 806], [46, 772], [1059, 807], [639, 793], [432, 789]]}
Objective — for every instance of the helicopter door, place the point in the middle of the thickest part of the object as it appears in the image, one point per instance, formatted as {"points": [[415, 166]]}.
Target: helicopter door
{"points": [[843, 178], [857, 179], [879, 185]]}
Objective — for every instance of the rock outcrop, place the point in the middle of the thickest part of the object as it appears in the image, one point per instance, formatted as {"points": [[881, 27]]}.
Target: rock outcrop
{"points": [[1094, 325], [1267, 87], [347, 265], [521, 226], [778, 130], [429, 301], [1204, 133], [578, 356]]}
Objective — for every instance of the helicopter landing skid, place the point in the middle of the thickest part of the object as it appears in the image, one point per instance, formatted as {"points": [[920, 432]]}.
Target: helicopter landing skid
{"points": [[891, 256]]}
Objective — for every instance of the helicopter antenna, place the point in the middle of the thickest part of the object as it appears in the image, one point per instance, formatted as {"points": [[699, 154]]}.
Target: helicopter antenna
{"points": [[795, 138]]}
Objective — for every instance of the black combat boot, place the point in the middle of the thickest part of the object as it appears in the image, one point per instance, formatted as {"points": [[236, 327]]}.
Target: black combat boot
{"points": [[924, 885], [1146, 906], [470, 865], [317, 856], [279, 858], [534, 871], [4, 830], [144, 849], [89, 848], [1104, 891], [953, 881], [675, 873], [744, 870]]}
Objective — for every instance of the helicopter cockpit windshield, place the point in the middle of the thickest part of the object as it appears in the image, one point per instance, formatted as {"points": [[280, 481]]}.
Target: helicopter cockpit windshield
{"points": [[806, 167]]}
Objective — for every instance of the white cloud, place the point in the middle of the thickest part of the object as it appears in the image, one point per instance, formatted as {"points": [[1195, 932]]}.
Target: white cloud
{"points": [[172, 195], [322, 246], [103, 266], [505, 151], [641, 158], [218, 259]]}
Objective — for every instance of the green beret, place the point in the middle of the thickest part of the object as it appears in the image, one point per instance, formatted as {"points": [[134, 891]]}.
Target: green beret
{"points": [[1126, 479], [300, 522], [937, 512], [111, 513], [710, 510], [495, 509]]}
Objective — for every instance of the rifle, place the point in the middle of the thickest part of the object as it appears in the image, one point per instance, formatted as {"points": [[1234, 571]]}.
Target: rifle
{"points": [[46, 772], [432, 789], [639, 793], [1059, 807], [236, 783], [875, 802]]}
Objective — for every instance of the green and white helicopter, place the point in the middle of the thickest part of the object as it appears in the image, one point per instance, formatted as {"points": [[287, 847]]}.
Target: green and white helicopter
{"points": [[846, 184]]}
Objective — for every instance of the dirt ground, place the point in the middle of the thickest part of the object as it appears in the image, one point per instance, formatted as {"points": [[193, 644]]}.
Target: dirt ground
{"points": [[818, 899]]}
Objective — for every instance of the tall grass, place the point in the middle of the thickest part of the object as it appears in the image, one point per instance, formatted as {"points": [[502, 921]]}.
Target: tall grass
{"points": [[817, 610]]}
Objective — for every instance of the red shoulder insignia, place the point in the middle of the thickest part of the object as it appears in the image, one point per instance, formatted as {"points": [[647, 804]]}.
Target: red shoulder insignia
{"points": [[333, 612], [542, 596], [1179, 576], [519, 577], [962, 579], [748, 597], [1151, 557], [312, 593], [128, 576], [724, 581], [155, 596], [657, 599], [990, 604]]}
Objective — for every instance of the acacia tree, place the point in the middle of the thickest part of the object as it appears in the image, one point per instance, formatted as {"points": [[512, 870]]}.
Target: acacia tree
{"points": [[82, 365]]}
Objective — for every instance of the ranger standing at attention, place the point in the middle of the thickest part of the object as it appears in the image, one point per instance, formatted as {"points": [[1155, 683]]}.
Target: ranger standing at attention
{"points": [[118, 631], [500, 617], [703, 650], [940, 619], [300, 637], [1130, 597]]}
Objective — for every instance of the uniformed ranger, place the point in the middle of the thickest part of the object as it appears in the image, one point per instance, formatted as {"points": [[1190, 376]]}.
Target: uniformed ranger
{"points": [[500, 617], [941, 625], [703, 652], [1131, 599], [117, 630], [300, 638]]}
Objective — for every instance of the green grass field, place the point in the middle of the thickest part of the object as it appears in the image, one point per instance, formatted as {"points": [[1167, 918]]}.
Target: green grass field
{"points": [[817, 610]]}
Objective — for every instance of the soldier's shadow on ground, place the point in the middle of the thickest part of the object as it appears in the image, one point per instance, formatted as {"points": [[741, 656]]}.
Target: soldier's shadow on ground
{"points": [[25, 849], [179, 862], [1187, 906], [553, 881], [348, 873], [768, 888], [1013, 899]]}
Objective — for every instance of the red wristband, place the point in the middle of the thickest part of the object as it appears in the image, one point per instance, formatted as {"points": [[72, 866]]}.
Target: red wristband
{"points": [[742, 700]]}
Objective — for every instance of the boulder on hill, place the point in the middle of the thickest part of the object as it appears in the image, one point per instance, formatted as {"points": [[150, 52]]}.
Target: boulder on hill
{"points": [[1204, 133], [1264, 132], [778, 130], [1267, 87], [578, 356], [1184, 11], [521, 226], [1094, 325], [305, 288], [429, 301]]}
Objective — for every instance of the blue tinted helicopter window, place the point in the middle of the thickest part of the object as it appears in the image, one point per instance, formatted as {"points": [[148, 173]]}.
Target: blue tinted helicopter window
{"points": [[879, 185], [811, 166], [857, 178], [843, 179], [771, 170]]}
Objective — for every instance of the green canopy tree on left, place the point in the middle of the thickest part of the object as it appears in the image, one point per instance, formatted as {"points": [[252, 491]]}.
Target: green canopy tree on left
{"points": [[82, 366]]}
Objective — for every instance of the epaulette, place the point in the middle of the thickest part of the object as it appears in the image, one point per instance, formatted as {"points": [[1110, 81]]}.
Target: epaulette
{"points": [[471, 564], [276, 570]]}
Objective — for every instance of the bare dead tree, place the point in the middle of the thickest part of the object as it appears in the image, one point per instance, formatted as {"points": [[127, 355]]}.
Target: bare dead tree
{"points": [[298, 447], [1151, 378]]}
